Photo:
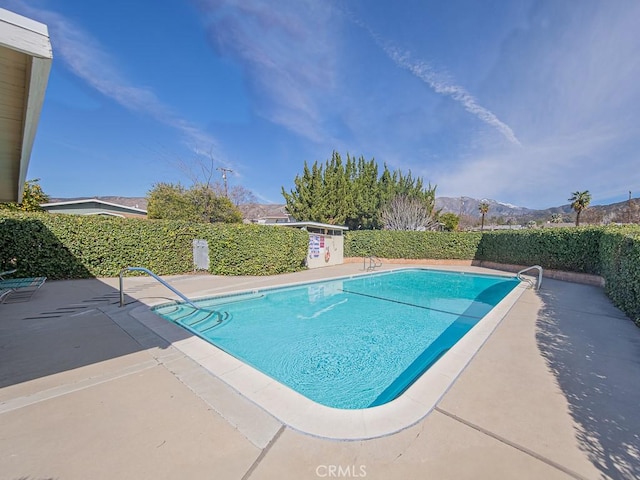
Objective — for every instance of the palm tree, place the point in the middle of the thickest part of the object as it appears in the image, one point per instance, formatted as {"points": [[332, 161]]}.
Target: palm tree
{"points": [[484, 208], [579, 202]]}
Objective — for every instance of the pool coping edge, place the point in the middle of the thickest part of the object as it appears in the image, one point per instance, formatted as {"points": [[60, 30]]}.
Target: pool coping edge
{"points": [[306, 416]]}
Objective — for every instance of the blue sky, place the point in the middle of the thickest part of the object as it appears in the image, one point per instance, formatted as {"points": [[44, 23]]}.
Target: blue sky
{"points": [[523, 102]]}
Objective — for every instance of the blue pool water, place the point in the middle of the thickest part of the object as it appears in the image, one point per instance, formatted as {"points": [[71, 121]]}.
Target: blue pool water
{"points": [[347, 343]]}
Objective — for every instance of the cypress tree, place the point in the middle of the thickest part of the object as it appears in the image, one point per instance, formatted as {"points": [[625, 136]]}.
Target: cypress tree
{"points": [[351, 193]]}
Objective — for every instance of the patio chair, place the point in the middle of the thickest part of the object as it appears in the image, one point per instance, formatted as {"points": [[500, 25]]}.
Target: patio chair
{"points": [[30, 282], [19, 289]]}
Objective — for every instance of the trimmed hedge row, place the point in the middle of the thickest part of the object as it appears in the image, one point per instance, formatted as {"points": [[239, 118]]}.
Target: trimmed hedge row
{"points": [[236, 249], [620, 266], [76, 246], [569, 249], [415, 245]]}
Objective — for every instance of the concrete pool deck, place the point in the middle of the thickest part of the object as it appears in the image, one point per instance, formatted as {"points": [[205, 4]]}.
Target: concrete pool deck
{"points": [[87, 391]]}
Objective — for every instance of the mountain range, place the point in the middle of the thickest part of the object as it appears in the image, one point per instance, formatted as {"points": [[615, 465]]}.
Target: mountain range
{"points": [[621, 212], [465, 206]]}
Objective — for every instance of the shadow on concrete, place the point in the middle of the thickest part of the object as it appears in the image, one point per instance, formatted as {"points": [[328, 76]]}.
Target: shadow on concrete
{"points": [[594, 352], [65, 326]]}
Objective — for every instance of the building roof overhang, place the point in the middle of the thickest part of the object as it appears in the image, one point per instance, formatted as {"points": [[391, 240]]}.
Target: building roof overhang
{"points": [[86, 201], [25, 60], [327, 226]]}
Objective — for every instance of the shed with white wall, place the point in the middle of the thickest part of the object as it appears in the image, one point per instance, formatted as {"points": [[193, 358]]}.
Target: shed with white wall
{"points": [[326, 243]]}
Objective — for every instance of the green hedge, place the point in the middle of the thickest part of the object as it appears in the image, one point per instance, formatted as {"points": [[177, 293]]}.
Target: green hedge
{"points": [[76, 246], [416, 245], [255, 249], [620, 265], [569, 249]]}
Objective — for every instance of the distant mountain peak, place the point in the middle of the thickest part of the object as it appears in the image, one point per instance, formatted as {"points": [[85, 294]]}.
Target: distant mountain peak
{"points": [[471, 206]]}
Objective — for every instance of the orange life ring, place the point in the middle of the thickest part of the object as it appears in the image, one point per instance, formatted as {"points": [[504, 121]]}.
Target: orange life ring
{"points": [[327, 255]]}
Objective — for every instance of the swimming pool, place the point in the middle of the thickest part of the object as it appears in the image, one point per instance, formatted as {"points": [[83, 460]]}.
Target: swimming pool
{"points": [[349, 343]]}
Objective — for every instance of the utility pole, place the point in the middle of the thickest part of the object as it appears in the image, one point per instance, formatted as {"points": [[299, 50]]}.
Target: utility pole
{"points": [[629, 208], [224, 179]]}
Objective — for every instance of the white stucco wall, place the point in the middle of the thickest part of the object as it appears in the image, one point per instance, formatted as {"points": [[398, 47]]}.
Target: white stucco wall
{"points": [[325, 250]]}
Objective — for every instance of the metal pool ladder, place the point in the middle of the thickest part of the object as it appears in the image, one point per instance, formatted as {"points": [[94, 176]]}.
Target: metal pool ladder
{"points": [[374, 262], [149, 272], [521, 278]]}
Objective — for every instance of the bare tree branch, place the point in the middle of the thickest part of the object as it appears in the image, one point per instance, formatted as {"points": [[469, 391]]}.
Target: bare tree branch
{"points": [[404, 213]]}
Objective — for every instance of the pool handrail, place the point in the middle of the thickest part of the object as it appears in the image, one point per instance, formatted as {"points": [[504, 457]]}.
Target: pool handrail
{"points": [[539, 268], [374, 262], [149, 272]]}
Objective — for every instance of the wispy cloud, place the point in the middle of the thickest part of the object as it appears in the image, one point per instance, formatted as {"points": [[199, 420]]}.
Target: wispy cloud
{"points": [[288, 52], [83, 55], [440, 85], [573, 93], [438, 82]]}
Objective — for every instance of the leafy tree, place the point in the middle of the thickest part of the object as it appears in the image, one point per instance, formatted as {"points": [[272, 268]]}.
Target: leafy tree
{"points": [[226, 211], [325, 193], [556, 218], [484, 208], [305, 201], [579, 202], [450, 221], [366, 193], [199, 203], [212, 208], [336, 203], [351, 193], [32, 197], [168, 201]]}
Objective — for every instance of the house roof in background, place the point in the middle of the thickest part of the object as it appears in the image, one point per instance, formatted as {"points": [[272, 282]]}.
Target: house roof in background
{"points": [[93, 201], [327, 226], [136, 202]]}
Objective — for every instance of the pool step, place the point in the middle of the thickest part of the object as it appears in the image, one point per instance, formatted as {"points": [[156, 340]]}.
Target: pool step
{"points": [[204, 320]]}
